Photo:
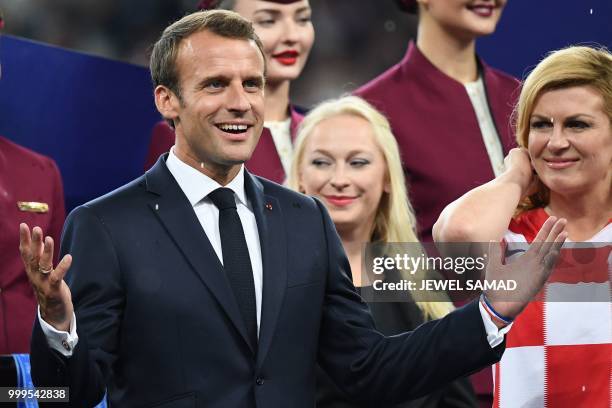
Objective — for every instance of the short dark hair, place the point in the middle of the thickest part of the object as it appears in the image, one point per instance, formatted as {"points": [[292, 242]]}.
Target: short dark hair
{"points": [[408, 6], [224, 23]]}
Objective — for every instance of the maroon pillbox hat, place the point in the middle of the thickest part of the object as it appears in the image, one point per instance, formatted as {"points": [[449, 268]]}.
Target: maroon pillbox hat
{"points": [[212, 4]]}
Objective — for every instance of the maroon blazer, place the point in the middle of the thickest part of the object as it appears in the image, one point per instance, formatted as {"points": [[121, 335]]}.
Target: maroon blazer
{"points": [[437, 130], [264, 162], [25, 176]]}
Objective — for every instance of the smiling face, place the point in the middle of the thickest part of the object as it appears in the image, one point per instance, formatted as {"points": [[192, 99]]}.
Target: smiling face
{"points": [[570, 141], [286, 32], [466, 19], [219, 115], [344, 167]]}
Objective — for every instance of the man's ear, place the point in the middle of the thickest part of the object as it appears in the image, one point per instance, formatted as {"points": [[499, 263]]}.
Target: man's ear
{"points": [[167, 102]]}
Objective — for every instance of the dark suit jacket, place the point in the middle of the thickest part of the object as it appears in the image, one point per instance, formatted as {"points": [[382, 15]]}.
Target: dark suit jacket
{"points": [[391, 318], [264, 161], [158, 324]]}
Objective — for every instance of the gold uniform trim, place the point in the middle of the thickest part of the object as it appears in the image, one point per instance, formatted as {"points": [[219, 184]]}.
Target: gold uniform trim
{"points": [[33, 206]]}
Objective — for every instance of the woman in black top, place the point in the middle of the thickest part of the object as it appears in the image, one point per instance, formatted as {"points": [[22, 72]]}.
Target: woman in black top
{"points": [[347, 157]]}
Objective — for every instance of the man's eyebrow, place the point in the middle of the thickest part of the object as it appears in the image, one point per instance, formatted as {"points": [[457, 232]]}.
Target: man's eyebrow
{"points": [[214, 78], [258, 79]]}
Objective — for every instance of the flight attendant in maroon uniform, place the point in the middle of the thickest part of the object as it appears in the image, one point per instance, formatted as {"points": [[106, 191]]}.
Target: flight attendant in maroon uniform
{"points": [[30, 191], [448, 109], [285, 28]]}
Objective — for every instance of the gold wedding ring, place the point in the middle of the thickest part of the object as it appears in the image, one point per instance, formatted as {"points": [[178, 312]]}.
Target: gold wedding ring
{"points": [[45, 271]]}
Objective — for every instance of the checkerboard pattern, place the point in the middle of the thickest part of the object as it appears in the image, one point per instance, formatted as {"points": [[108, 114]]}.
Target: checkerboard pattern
{"points": [[559, 350]]}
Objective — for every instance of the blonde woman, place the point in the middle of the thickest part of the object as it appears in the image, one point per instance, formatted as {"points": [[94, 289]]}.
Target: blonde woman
{"points": [[347, 156], [558, 353]]}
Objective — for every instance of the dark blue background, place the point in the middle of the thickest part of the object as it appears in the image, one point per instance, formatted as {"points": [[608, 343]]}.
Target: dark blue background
{"points": [[92, 115], [529, 29]]}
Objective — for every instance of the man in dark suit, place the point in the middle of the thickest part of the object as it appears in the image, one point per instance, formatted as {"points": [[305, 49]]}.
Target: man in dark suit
{"points": [[184, 297]]}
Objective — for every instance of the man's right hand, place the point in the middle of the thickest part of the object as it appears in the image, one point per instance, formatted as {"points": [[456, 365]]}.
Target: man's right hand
{"points": [[51, 291]]}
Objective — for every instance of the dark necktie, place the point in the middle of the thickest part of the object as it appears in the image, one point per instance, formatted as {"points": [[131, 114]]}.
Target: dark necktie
{"points": [[236, 260]]}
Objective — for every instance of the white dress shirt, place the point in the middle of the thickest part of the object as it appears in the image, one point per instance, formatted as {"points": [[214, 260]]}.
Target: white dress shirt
{"points": [[196, 187], [478, 97]]}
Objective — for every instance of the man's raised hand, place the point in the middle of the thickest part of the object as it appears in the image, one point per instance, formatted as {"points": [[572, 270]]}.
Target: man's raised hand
{"points": [[51, 291], [530, 270]]}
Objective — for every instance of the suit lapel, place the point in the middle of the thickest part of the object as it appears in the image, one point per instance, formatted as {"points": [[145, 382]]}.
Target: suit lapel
{"points": [[175, 212], [272, 238]]}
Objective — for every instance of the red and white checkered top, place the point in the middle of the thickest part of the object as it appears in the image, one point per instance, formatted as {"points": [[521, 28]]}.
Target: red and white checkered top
{"points": [[559, 352]]}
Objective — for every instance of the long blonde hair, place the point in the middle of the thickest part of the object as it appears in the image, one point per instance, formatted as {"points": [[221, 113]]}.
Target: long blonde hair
{"points": [[395, 220], [571, 66]]}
